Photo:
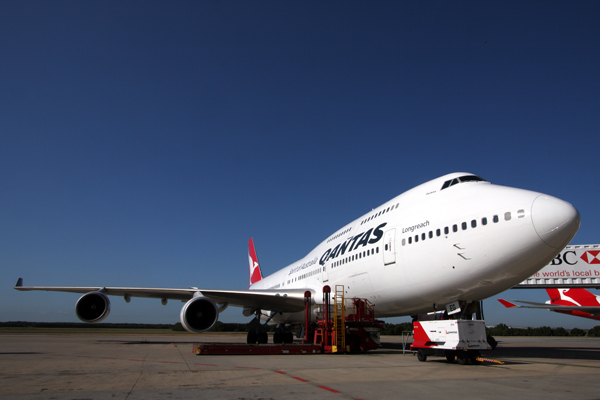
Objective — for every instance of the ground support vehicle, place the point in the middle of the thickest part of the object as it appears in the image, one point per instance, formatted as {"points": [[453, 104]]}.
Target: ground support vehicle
{"points": [[454, 339], [340, 328]]}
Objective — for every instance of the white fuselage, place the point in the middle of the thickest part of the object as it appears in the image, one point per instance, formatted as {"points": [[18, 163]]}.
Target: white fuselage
{"points": [[429, 247]]}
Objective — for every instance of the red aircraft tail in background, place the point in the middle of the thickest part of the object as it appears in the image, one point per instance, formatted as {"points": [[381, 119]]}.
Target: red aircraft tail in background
{"points": [[578, 302]]}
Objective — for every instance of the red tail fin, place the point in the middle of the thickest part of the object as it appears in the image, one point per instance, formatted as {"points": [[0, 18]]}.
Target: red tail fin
{"points": [[578, 297], [554, 294], [255, 274]]}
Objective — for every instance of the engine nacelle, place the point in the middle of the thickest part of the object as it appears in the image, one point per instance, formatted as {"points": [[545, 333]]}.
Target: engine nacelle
{"points": [[199, 314], [92, 307]]}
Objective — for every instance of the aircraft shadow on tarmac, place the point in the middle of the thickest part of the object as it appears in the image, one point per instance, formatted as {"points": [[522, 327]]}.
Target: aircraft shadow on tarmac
{"points": [[555, 352], [502, 352], [154, 342]]}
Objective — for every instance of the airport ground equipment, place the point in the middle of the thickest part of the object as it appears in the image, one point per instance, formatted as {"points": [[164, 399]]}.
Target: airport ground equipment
{"points": [[346, 326], [453, 339], [342, 326]]}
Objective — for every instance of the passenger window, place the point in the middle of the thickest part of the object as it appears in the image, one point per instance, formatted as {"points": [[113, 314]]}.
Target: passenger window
{"points": [[446, 231], [521, 213], [430, 234], [464, 226], [438, 232], [507, 216], [474, 224], [484, 221], [422, 236], [454, 228], [416, 238], [496, 219], [403, 242], [409, 242]]}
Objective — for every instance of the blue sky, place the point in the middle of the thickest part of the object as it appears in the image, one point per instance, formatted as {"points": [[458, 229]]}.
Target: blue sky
{"points": [[144, 143]]}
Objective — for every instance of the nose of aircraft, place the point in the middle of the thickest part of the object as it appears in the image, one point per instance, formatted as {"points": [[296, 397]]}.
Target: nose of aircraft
{"points": [[554, 220]]}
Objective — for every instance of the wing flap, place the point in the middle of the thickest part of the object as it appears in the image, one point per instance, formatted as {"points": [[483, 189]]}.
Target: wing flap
{"points": [[291, 300]]}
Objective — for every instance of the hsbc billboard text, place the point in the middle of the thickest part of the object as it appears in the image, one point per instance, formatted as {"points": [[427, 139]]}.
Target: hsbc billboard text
{"points": [[575, 266]]}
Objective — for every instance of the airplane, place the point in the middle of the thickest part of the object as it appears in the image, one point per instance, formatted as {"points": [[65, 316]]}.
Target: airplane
{"points": [[578, 302], [450, 242]]}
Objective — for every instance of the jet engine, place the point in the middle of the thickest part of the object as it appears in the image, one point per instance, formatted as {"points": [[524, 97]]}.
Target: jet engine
{"points": [[92, 307], [199, 314]]}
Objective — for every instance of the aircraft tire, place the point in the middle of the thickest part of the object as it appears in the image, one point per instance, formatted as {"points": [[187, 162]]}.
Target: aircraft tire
{"points": [[252, 337], [288, 337], [263, 337]]}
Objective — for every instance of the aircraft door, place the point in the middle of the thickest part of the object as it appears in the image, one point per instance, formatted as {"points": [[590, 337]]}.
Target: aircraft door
{"points": [[325, 274], [389, 248]]}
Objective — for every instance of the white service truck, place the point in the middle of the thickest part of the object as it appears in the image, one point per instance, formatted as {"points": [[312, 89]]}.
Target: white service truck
{"points": [[453, 339]]}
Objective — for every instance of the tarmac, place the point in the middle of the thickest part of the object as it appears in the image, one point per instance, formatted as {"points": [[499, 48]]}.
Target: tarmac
{"points": [[147, 366]]}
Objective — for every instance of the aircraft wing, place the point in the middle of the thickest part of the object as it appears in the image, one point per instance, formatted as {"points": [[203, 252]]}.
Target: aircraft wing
{"points": [[587, 309], [288, 300]]}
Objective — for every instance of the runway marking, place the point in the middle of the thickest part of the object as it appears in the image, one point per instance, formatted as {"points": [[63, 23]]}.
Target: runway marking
{"points": [[330, 389], [307, 381], [208, 365]]}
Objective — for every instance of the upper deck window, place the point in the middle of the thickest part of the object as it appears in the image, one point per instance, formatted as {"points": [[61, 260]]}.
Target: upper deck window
{"points": [[462, 179]]}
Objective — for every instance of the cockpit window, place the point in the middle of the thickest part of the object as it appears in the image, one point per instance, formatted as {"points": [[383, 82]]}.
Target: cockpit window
{"points": [[462, 179]]}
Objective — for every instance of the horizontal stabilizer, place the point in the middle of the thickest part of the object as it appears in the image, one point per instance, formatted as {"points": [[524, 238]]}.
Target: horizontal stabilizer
{"points": [[507, 303]]}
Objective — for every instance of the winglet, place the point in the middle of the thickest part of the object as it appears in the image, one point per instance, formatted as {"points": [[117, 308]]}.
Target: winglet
{"points": [[255, 274], [19, 282], [507, 304]]}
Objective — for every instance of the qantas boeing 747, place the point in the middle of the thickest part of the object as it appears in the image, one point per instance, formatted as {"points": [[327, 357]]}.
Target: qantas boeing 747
{"points": [[457, 239]]}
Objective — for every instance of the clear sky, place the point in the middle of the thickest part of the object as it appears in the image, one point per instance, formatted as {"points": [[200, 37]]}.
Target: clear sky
{"points": [[144, 143]]}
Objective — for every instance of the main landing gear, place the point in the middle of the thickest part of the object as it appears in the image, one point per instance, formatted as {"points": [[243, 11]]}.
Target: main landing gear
{"points": [[257, 332]]}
